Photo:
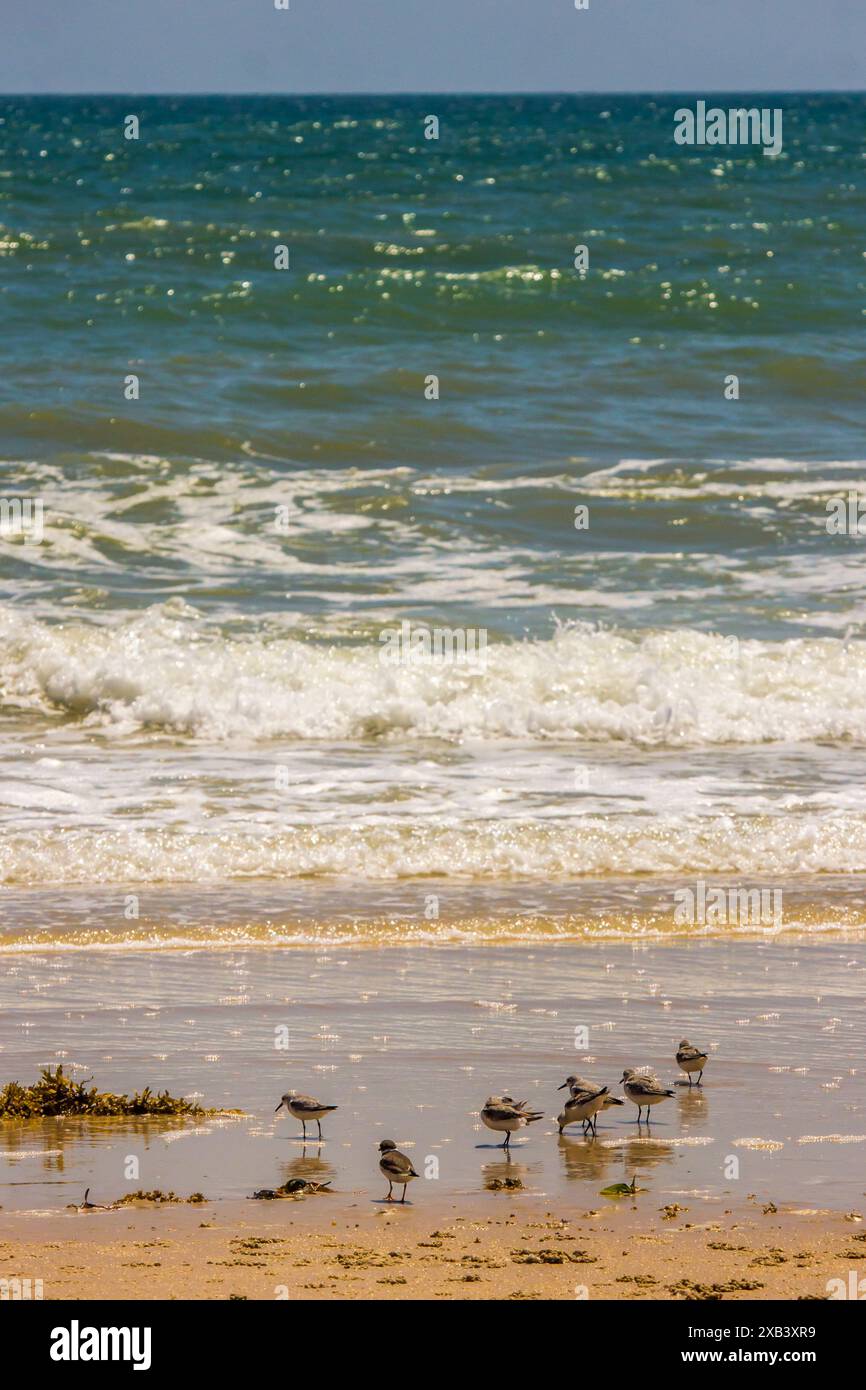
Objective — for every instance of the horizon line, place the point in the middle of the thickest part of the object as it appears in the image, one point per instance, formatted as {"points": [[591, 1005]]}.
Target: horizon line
{"points": [[542, 92]]}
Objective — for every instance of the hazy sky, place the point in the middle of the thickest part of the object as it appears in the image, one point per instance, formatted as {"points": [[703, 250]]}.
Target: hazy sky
{"points": [[430, 45]]}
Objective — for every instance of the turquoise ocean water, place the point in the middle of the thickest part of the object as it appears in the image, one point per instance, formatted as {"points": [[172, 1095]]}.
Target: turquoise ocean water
{"points": [[191, 691]]}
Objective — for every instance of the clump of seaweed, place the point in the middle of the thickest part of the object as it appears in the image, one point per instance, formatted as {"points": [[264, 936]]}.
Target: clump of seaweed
{"points": [[161, 1198], [157, 1197], [57, 1094]]}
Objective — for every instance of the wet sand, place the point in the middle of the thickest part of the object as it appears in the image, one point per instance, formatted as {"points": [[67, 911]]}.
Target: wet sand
{"points": [[314, 1248], [407, 1042]]}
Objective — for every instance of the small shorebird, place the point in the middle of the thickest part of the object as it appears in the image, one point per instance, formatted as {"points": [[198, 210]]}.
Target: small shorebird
{"points": [[581, 1105], [305, 1108], [644, 1090], [504, 1114], [691, 1059], [396, 1167], [580, 1083]]}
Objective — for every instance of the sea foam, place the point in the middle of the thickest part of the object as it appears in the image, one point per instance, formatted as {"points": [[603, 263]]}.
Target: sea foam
{"points": [[167, 669]]}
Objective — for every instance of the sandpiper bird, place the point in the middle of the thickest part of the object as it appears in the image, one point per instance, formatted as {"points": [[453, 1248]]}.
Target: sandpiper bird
{"points": [[580, 1083], [504, 1114], [691, 1059], [581, 1105], [396, 1167], [644, 1090], [305, 1108]]}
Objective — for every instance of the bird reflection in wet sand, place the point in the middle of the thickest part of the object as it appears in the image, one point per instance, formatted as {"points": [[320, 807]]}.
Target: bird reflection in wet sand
{"points": [[507, 1173], [646, 1152], [693, 1106], [310, 1168], [586, 1159]]}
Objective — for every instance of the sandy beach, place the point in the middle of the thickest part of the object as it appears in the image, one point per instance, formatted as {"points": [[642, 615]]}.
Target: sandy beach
{"points": [[314, 1248]]}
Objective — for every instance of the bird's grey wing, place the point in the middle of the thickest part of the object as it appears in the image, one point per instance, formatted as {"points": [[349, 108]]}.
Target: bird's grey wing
{"points": [[395, 1164], [306, 1103], [647, 1086], [501, 1112]]}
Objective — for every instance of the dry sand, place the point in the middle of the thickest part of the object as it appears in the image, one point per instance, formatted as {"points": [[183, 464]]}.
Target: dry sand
{"points": [[307, 1249]]}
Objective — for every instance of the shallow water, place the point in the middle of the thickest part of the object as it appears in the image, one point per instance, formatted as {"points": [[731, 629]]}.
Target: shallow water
{"points": [[409, 1042]]}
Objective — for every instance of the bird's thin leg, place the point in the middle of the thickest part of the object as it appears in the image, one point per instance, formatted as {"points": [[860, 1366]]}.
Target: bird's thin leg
{"points": [[319, 1123], [507, 1137], [403, 1198], [389, 1198], [700, 1074], [304, 1123]]}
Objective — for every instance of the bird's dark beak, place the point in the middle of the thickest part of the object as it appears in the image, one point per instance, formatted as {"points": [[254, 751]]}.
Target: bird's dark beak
{"points": [[279, 1107], [562, 1087]]}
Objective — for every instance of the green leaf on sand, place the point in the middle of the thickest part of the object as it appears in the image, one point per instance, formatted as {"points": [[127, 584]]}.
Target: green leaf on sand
{"points": [[622, 1189]]}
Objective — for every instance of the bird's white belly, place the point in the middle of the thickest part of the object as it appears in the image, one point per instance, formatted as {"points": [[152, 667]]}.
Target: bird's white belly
{"points": [[694, 1064], [582, 1112], [502, 1125]]}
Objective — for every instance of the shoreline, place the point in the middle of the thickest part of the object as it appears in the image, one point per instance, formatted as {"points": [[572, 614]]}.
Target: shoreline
{"points": [[324, 914]]}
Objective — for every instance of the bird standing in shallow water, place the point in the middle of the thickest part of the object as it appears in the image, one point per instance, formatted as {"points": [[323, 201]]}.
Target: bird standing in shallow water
{"points": [[691, 1059], [305, 1108], [644, 1090], [396, 1167], [580, 1083], [503, 1114], [581, 1105]]}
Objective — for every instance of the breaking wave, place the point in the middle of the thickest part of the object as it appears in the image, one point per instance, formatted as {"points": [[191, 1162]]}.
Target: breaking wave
{"points": [[167, 669]]}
